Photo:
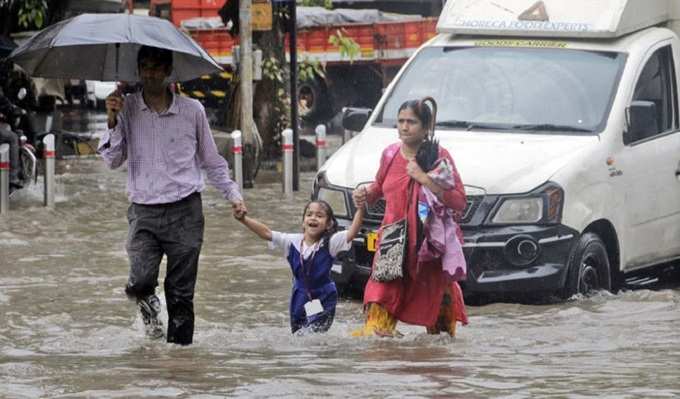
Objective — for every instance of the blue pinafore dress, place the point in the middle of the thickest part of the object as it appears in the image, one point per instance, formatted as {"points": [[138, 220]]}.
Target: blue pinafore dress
{"points": [[312, 280]]}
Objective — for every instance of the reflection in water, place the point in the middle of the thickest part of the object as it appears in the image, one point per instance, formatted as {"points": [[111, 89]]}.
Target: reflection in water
{"points": [[67, 329]]}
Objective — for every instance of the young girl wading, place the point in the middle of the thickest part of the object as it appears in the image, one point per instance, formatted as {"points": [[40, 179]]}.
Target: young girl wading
{"points": [[310, 255]]}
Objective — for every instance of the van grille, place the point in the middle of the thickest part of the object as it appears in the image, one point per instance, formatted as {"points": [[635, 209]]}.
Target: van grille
{"points": [[376, 212]]}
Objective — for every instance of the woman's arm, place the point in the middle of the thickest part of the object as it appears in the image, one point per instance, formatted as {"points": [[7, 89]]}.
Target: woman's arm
{"points": [[356, 224], [257, 227]]}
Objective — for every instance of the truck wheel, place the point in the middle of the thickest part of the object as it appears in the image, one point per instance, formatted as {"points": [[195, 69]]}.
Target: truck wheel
{"points": [[313, 100], [588, 267], [28, 166]]}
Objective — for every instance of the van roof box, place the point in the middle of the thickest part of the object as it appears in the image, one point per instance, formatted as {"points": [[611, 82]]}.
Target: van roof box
{"points": [[554, 18]]}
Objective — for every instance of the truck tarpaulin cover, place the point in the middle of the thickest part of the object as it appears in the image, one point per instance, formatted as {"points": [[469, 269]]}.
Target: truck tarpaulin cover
{"points": [[308, 17]]}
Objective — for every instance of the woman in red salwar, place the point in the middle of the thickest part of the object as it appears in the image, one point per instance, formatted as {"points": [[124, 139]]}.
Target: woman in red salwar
{"points": [[426, 295]]}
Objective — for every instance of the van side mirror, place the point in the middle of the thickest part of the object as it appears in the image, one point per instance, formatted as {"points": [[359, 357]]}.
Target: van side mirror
{"points": [[641, 121], [354, 119]]}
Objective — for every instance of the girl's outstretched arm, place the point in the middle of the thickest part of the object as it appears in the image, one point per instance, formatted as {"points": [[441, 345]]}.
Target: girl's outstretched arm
{"points": [[356, 224], [256, 227]]}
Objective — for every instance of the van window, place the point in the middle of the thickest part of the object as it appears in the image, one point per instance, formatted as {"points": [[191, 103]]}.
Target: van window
{"points": [[657, 84], [511, 89]]}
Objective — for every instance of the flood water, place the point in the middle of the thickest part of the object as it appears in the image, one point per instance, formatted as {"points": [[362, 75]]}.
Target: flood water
{"points": [[68, 331]]}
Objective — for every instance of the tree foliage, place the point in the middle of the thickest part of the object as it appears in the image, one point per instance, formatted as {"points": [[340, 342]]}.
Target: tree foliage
{"points": [[318, 3], [30, 13], [348, 47]]}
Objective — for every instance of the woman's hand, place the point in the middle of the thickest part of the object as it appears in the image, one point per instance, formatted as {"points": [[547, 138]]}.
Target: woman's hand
{"points": [[360, 196], [415, 172]]}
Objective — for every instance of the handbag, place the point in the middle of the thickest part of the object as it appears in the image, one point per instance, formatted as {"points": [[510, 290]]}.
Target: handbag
{"points": [[392, 249], [391, 252]]}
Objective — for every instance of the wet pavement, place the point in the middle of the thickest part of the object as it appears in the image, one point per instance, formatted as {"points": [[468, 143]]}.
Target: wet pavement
{"points": [[67, 330]]}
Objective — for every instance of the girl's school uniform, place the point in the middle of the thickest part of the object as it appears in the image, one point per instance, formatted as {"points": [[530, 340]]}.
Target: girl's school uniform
{"points": [[312, 284]]}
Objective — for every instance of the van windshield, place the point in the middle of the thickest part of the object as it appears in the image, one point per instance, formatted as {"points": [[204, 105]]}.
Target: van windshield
{"points": [[511, 89]]}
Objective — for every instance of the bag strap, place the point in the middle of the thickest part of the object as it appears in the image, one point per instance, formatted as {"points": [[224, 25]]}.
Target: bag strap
{"points": [[411, 187]]}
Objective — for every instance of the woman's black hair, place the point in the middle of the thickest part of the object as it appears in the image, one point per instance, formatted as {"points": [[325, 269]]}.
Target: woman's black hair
{"points": [[422, 112], [330, 230], [428, 151]]}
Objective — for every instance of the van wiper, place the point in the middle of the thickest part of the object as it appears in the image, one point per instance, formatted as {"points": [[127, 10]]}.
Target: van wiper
{"points": [[550, 127], [472, 125], [454, 123]]}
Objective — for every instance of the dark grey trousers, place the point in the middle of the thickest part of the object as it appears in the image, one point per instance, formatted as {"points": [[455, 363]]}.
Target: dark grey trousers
{"points": [[174, 230]]}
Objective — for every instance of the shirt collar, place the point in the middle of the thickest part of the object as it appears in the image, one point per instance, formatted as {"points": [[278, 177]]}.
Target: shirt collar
{"points": [[173, 109]]}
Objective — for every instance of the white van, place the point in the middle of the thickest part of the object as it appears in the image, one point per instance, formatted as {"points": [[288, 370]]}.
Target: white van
{"points": [[563, 120]]}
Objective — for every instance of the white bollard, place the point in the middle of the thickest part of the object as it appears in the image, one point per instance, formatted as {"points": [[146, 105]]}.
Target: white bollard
{"points": [[237, 150], [287, 147], [48, 122], [48, 154], [4, 179], [320, 146]]}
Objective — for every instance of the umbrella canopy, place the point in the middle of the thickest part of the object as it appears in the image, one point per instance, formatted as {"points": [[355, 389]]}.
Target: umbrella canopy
{"points": [[104, 47]]}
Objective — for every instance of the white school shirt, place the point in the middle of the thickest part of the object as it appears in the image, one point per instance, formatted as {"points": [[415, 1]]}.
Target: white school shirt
{"points": [[337, 243]]}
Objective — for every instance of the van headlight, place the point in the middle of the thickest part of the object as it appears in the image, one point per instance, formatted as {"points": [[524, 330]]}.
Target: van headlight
{"points": [[335, 196], [336, 199], [543, 205]]}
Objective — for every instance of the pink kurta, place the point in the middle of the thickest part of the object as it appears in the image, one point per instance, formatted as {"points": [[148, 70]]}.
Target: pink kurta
{"points": [[416, 298]]}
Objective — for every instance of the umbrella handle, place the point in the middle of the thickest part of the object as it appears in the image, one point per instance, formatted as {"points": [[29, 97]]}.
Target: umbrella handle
{"points": [[117, 50]]}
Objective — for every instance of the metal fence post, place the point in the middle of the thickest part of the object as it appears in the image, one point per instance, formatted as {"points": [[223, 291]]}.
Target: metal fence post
{"points": [[287, 147], [49, 154], [4, 179], [237, 150], [320, 146]]}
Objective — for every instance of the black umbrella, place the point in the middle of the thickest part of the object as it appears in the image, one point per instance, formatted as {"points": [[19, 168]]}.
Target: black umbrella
{"points": [[104, 47], [6, 46]]}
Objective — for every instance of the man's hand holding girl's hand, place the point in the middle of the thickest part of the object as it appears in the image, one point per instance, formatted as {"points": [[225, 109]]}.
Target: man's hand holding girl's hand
{"points": [[239, 210]]}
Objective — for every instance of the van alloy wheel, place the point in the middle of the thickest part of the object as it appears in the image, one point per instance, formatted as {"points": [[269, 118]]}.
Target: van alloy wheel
{"points": [[588, 281]]}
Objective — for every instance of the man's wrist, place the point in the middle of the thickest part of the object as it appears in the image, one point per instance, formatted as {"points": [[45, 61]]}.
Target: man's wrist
{"points": [[112, 123]]}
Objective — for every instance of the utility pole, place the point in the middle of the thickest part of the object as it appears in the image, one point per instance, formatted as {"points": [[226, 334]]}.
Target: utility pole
{"points": [[246, 83], [293, 95]]}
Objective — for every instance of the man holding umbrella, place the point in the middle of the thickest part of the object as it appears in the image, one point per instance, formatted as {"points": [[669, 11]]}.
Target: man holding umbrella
{"points": [[164, 138], [166, 141]]}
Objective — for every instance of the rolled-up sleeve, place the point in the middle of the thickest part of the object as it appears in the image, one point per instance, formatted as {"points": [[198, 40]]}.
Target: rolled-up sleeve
{"points": [[113, 144], [215, 166]]}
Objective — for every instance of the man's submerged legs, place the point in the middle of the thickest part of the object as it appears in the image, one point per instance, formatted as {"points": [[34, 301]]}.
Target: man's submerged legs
{"points": [[150, 308], [145, 256], [182, 241]]}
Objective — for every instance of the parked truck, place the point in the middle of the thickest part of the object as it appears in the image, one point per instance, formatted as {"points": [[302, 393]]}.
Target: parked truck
{"points": [[384, 46], [563, 120]]}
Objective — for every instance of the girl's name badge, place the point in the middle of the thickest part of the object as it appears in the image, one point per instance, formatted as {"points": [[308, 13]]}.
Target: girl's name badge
{"points": [[313, 307]]}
